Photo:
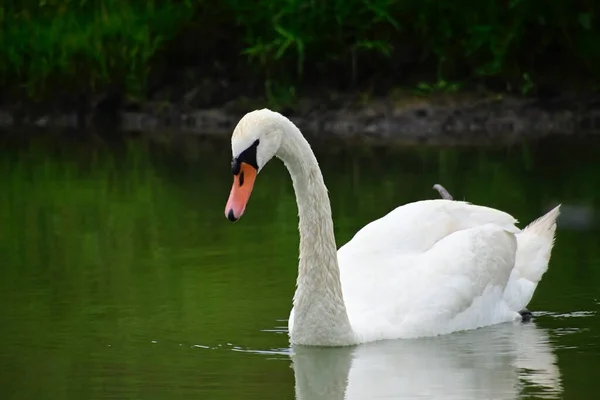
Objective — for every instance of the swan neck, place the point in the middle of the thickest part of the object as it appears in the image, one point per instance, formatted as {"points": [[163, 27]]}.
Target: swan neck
{"points": [[320, 316]]}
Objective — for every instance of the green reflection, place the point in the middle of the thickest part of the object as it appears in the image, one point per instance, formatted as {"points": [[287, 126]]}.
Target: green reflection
{"points": [[119, 267]]}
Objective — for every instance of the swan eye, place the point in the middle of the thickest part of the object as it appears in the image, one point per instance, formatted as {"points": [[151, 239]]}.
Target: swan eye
{"points": [[247, 156]]}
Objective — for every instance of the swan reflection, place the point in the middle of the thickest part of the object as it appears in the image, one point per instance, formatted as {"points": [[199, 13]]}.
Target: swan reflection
{"points": [[497, 362]]}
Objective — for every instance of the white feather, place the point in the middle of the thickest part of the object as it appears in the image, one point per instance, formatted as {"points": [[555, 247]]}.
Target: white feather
{"points": [[426, 268]]}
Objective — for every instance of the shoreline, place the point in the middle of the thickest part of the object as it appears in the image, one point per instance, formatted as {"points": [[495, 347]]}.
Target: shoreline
{"points": [[444, 119]]}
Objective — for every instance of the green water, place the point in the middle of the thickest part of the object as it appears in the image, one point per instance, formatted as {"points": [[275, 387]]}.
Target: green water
{"points": [[122, 279]]}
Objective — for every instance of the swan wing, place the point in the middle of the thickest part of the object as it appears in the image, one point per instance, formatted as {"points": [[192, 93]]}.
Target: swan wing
{"points": [[416, 227], [458, 284]]}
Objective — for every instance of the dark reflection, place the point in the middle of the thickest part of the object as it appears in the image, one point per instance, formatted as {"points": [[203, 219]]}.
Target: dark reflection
{"points": [[578, 217], [505, 361]]}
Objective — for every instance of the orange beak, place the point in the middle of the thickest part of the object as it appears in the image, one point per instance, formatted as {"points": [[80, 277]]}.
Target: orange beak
{"points": [[240, 193]]}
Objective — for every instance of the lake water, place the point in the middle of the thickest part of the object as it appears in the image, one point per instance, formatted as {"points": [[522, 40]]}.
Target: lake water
{"points": [[122, 279]]}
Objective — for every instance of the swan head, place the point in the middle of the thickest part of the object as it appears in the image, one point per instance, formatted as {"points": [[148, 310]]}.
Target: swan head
{"points": [[255, 140]]}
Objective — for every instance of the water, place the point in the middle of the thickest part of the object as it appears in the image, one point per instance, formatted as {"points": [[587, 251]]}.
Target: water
{"points": [[122, 279]]}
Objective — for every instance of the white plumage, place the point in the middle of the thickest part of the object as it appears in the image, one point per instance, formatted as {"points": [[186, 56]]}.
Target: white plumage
{"points": [[426, 268]]}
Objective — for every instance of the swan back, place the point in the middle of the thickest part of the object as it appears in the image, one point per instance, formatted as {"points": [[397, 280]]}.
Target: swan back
{"points": [[416, 227]]}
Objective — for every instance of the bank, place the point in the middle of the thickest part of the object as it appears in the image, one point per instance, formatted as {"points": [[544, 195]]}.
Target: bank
{"points": [[430, 119], [402, 70]]}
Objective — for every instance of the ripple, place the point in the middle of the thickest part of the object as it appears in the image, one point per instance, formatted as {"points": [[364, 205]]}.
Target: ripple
{"points": [[574, 314], [566, 331], [279, 352], [284, 353]]}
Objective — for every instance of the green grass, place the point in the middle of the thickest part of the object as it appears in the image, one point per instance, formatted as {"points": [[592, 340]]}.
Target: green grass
{"points": [[85, 46]]}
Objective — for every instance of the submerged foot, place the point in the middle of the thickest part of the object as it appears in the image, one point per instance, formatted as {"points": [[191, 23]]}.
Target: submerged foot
{"points": [[526, 315]]}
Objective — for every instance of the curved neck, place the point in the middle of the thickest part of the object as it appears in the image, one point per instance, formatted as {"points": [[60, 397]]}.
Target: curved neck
{"points": [[320, 316]]}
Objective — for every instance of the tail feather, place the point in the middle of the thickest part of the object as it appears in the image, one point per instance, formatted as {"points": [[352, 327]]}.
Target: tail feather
{"points": [[535, 244], [545, 225], [534, 248]]}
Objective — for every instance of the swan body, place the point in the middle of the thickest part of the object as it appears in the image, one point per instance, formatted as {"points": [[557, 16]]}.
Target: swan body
{"points": [[426, 268]]}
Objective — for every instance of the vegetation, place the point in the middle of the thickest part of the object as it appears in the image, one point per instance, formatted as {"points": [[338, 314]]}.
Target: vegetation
{"points": [[48, 47]]}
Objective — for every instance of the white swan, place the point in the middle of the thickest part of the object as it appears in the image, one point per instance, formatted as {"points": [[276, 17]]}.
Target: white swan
{"points": [[426, 268]]}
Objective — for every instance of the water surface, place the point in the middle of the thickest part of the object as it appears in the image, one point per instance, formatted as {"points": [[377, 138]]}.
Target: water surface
{"points": [[122, 279]]}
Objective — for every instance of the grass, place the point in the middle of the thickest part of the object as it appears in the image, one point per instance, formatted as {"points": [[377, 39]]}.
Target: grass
{"points": [[87, 46]]}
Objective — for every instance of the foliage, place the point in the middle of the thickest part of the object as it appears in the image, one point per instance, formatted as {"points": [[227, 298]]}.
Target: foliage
{"points": [[87, 45], [82, 44]]}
